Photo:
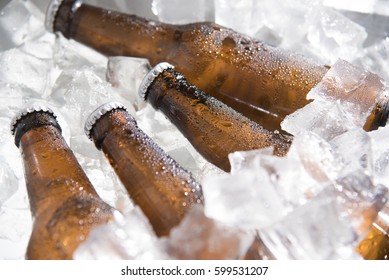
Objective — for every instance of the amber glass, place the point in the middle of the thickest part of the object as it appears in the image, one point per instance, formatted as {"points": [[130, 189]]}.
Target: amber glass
{"points": [[212, 127], [155, 182], [262, 82], [376, 244], [64, 204]]}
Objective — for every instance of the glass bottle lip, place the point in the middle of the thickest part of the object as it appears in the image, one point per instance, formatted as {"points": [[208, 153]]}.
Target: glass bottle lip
{"points": [[28, 110], [150, 77], [98, 113], [52, 10]]}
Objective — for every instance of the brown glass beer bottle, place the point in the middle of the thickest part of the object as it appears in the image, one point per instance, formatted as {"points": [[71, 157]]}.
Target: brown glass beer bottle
{"points": [[155, 182], [262, 82], [376, 244], [212, 127], [64, 204]]}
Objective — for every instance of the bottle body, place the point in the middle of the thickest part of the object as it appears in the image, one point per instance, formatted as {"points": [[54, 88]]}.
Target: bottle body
{"points": [[64, 204], [212, 127], [262, 82], [155, 182]]}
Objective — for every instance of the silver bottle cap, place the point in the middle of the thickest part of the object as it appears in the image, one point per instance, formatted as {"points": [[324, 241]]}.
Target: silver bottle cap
{"points": [[52, 10], [98, 113], [28, 110], [150, 77]]}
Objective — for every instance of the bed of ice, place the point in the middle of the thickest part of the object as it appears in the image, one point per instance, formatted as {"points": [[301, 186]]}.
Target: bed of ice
{"points": [[308, 205]]}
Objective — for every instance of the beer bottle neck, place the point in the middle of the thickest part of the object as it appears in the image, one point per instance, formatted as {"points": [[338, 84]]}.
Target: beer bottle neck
{"points": [[52, 172], [114, 33]]}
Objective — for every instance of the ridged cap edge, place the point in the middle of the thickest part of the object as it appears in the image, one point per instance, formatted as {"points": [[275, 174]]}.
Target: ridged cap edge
{"points": [[51, 12], [150, 77], [26, 111], [98, 113]]}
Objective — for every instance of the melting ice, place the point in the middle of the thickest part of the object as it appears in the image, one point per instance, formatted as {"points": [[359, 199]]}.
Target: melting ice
{"points": [[335, 172]]}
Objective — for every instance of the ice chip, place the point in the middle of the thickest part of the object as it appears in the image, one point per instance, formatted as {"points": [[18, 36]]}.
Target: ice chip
{"points": [[202, 238], [126, 74], [128, 237], [315, 230], [183, 11], [246, 200]]}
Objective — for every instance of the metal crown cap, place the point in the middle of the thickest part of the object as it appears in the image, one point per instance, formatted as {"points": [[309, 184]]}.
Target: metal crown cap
{"points": [[98, 113], [52, 10], [150, 77], [28, 110]]}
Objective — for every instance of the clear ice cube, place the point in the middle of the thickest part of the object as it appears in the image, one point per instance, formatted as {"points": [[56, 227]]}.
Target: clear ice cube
{"points": [[334, 35], [355, 151], [200, 238], [128, 237], [343, 99], [315, 230], [34, 71], [245, 200], [19, 21]]}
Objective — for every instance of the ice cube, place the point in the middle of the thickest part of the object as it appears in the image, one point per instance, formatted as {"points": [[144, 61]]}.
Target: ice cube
{"points": [[323, 118], [181, 12], [25, 70], [343, 99], [319, 159], [19, 21], [245, 200], [380, 150], [126, 74], [77, 93], [334, 35], [361, 200], [128, 237], [354, 150], [315, 230], [375, 58], [200, 238], [71, 55]]}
